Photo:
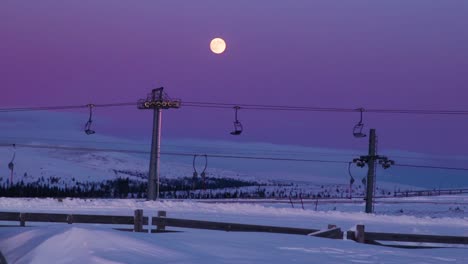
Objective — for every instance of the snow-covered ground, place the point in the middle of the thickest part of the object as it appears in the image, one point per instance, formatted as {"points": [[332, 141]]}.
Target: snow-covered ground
{"points": [[64, 244], [79, 243]]}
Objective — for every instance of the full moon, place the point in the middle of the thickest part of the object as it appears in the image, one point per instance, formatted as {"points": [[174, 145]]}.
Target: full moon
{"points": [[217, 45]]}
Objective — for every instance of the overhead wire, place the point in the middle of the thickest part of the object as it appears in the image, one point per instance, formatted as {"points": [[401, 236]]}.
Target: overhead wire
{"points": [[262, 107], [431, 167], [219, 149], [216, 155], [168, 153], [324, 109], [204, 148], [65, 107], [249, 107]]}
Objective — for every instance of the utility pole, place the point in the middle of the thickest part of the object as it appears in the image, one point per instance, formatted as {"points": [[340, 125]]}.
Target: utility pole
{"points": [[371, 171], [371, 160], [157, 101]]}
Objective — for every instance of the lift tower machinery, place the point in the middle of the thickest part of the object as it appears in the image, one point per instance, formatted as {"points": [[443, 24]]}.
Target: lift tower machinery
{"points": [[371, 159], [156, 100]]}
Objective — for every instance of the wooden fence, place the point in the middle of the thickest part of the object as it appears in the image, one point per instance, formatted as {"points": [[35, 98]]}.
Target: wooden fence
{"points": [[371, 237], [161, 222], [430, 192], [138, 220]]}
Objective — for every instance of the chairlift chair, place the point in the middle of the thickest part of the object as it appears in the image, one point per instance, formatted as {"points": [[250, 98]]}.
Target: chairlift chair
{"points": [[351, 180], [364, 181], [195, 173], [237, 129], [357, 130], [203, 174], [237, 125], [11, 165], [88, 129]]}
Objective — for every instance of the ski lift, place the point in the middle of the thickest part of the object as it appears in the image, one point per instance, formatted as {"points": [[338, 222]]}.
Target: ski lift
{"points": [[202, 174], [357, 131], [386, 163], [237, 125], [351, 180], [11, 165], [195, 172], [359, 162], [88, 129]]}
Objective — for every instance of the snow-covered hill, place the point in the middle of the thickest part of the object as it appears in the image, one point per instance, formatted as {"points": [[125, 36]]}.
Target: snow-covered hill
{"points": [[82, 243], [65, 129]]}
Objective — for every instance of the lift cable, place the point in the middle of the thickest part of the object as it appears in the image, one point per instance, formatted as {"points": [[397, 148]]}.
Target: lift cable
{"points": [[66, 107], [253, 107], [325, 109], [430, 167], [169, 153], [243, 151], [217, 156]]}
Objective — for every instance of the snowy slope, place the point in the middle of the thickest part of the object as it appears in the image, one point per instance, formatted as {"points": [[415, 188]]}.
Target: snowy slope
{"points": [[61, 243], [97, 245], [65, 129]]}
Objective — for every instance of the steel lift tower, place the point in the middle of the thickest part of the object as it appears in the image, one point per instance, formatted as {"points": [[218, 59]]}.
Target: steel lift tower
{"points": [[371, 159], [157, 101]]}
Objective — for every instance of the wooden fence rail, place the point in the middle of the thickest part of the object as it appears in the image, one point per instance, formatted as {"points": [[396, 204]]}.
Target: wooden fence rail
{"points": [[370, 237], [73, 218], [430, 192], [416, 238], [161, 222], [222, 226]]}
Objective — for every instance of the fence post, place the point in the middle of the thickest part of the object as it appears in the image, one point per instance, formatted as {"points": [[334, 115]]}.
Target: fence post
{"points": [[360, 234], [138, 221], [161, 227], [22, 218], [70, 219]]}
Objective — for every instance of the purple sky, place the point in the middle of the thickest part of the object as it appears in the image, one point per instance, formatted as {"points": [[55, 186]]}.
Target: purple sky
{"points": [[371, 54]]}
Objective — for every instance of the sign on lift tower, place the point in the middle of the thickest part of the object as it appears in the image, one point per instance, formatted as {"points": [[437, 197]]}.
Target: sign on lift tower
{"points": [[156, 100]]}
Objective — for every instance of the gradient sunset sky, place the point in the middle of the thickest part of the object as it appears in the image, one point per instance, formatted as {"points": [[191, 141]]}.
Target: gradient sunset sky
{"points": [[372, 54]]}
